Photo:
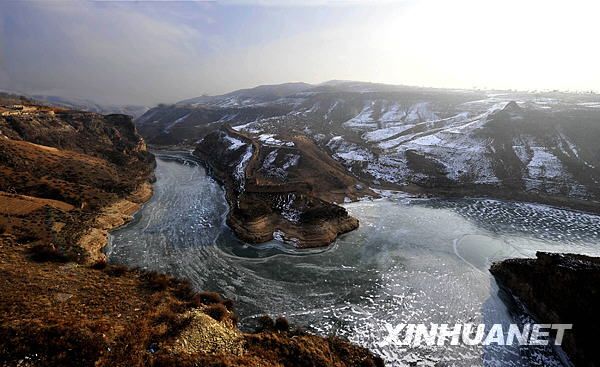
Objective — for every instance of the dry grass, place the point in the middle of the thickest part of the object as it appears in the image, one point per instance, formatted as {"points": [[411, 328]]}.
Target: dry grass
{"points": [[47, 252], [60, 307]]}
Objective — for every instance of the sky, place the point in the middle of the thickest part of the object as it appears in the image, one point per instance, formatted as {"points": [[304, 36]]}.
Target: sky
{"points": [[148, 52]]}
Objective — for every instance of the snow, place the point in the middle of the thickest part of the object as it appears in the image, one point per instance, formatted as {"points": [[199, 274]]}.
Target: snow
{"points": [[291, 161], [421, 112], [270, 139], [271, 169], [544, 164], [178, 121], [331, 109], [389, 168], [270, 160], [234, 143], [251, 127], [313, 109], [286, 205], [464, 156], [348, 152], [394, 113], [363, 120], [383, 134], [429, 140], [522, 153], [239, 173], [393, 143], [353, 156]]}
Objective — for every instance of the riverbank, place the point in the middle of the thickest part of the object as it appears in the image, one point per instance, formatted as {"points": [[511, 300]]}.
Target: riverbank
{"points": [[66, 180]]}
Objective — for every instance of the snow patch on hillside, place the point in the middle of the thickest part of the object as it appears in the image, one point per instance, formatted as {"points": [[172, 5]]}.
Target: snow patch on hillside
{"points": [[291, 160], [240, 170], [421, 112], [270, 139], [285, 203], [234, 143], [364, 120], [331, 109], [168, 128], [544, 164], [393, 113], [383, 134]]}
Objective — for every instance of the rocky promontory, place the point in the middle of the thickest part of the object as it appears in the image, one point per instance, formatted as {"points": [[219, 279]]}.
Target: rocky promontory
{"points": [[281, 187], [559, 288]]}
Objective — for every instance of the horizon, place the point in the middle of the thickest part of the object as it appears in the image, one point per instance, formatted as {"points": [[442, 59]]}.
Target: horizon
{"points": [[145, 53], [474, 89]]}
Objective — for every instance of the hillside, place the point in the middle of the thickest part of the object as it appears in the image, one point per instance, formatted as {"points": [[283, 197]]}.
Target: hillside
{"points": [[67, 178], [538, 147]]}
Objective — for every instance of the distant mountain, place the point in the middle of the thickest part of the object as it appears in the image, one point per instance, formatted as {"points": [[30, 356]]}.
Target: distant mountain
{"points": [[90, 106], [244, 97], [516, 145], [82, 104]]}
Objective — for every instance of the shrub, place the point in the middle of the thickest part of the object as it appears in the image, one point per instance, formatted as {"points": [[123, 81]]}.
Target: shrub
{"points": [[155, 281], [207, 298], [175, 324], [183, 290], [100, 264], [265, 323], [282, 324], [115, 270], [216, 311], [47, 252], [228, 304]]}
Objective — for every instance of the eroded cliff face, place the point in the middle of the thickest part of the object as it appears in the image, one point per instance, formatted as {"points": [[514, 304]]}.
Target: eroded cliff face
{"points": [[282, 189], [71, 176], [559, 288]]}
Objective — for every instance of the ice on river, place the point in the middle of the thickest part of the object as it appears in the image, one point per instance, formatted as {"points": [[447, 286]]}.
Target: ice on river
{"points": [[420, 261]]}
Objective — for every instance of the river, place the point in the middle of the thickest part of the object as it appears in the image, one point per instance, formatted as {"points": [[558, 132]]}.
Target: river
{"points": [[411, 260]]}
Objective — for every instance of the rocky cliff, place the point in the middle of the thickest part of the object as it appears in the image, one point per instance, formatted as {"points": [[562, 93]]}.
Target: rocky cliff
{"points": [[283, 188], [559, 288]]}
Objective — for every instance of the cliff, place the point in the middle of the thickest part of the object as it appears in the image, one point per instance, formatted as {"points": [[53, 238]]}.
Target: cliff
{"points": [[559, 288], [283, 189]]}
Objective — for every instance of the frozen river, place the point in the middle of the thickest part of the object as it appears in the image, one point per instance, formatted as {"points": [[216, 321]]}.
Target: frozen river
{"points": [[411, 261]]}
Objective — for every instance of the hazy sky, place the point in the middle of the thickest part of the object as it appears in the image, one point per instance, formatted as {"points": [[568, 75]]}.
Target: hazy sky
{"points": [[164, 51]]}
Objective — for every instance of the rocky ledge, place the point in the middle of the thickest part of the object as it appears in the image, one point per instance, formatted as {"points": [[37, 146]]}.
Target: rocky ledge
{"points": [[559, 288], [284, 188]]}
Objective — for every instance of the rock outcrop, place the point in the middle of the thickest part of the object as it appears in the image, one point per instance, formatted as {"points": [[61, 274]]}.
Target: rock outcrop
{"points": [[559, 288], [96, 166], [284, 189]]}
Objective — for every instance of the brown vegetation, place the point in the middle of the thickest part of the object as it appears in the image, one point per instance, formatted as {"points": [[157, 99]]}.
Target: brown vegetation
{"points": [[66, 179]]}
